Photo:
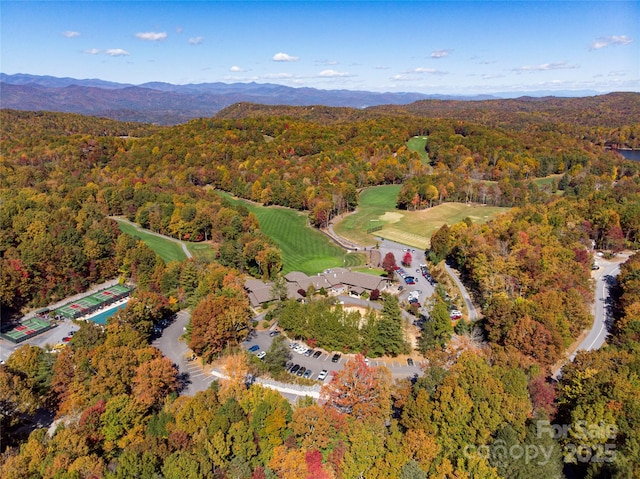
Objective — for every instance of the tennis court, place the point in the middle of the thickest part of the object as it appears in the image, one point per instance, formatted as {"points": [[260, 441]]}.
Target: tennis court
{"points": [[27, 329], [93, 302]]}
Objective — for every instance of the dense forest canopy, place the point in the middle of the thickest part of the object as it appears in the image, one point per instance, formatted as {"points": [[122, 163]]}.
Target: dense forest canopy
{"points": [[63, 177]]}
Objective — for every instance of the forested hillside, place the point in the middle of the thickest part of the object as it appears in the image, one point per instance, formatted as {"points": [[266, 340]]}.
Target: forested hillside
{"points": [[62, 178]]}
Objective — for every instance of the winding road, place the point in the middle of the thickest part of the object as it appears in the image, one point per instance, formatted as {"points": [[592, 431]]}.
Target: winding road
{"points": [[605, 278], [473, 313]]}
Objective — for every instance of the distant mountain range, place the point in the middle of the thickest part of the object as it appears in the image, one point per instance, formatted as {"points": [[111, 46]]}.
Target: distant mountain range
{"points": [[167, 104]]}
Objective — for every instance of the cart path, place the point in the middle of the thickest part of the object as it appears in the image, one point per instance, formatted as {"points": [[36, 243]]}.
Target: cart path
{"points": [[159, 235]]}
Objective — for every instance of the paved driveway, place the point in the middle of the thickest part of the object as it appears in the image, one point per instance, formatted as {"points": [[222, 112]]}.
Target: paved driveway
{"points": [[191, 374]]}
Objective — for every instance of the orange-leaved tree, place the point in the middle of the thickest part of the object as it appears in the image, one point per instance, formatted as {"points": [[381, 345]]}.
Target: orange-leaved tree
{"points": [[359, 390]]}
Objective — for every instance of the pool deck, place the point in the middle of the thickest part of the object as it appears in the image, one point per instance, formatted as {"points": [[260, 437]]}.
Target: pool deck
{"points": [[118, 304]]}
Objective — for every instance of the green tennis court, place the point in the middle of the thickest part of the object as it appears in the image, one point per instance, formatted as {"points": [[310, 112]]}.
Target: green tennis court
{"points": [[27, 329], [93, 302]]}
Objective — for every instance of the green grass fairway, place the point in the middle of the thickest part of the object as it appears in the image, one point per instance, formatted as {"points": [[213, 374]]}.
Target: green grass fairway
{"points": [[417, 143], [414, 228], [303, 248], [166, 249], [373, 203]]}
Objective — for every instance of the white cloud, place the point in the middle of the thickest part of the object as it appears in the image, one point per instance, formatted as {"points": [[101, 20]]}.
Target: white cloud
{"points": [[236, 69], [91, 51], [440, 53], [611, 40], [284, 57], [546, 67], [71, 34], [195, 40], [403, 78], [333, 74], [430, 71], [179, 30], [117, 52], [151, 36]]}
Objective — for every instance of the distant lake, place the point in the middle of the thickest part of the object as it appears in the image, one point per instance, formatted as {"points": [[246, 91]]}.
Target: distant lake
{"points": [[630, 154]]}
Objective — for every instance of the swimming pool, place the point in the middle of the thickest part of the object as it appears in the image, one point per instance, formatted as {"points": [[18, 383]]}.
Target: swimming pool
{"points": [[101, 318]]}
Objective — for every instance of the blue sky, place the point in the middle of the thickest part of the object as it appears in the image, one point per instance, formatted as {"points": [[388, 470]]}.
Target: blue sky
{"points": [[447, 47]]}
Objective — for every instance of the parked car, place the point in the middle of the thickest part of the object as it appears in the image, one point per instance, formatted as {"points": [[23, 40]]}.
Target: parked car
{"points": [[323, 375], [317, 354], [301, 371], [274, 333], [335, 358], [66, 339], [261, 354], [295, 368], [254, 348], [309, 352], [307, 373], [409, 361]]}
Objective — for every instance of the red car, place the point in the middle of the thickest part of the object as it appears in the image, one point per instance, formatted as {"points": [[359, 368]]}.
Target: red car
{"points": [[66, 339]]}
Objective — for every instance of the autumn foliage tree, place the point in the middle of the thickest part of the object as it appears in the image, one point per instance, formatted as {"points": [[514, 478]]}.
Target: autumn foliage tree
{"points": [[154, 380], [359, 390], [389, 263], [217, 321]]}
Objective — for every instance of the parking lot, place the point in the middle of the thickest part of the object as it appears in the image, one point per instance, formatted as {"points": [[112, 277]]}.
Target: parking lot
{"points": [[318, 360]]}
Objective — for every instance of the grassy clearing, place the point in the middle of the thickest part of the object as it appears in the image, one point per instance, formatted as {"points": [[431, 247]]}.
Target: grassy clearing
{"points": [[202, 251], [168, 250], [548, 180], [413, 228], [417, 144], [372, 271], [303, 248]]}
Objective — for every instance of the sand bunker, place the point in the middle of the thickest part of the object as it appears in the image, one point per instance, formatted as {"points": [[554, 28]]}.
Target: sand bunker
{"points": [[391, 217]]}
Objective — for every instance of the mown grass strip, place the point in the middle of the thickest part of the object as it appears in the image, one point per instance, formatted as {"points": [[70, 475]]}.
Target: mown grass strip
{"points": [[372, 204], [303, 247], [168, 250], [417, 144]]}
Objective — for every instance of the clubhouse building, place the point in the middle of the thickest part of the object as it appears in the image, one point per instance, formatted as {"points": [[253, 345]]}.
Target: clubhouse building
{"points": [[334, 281]]}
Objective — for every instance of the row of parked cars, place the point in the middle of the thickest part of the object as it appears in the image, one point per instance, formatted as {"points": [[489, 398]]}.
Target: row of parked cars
{"points": [[425, 273], [302, 371], [408, 279]]}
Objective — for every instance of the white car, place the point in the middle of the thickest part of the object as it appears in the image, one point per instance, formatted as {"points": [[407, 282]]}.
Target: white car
{"points": [[323, 375], [301, 349], [261, 354]]}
